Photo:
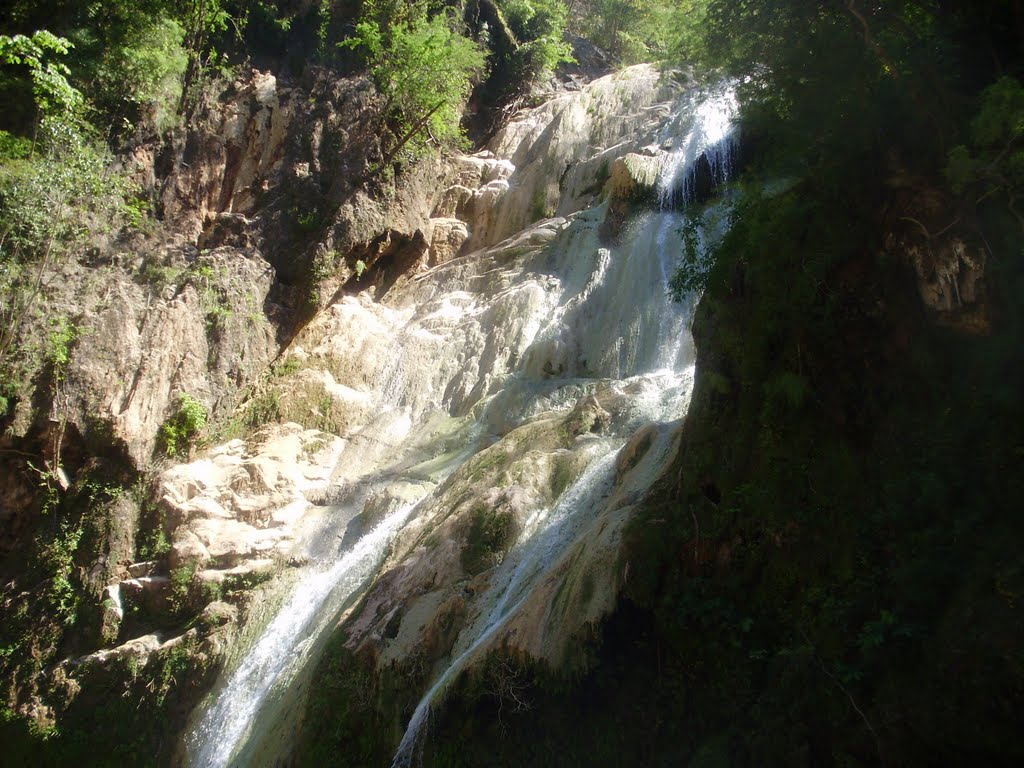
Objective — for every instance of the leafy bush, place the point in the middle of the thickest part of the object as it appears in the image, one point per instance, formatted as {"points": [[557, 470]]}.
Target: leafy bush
{"points": [[49, 206], [58, 348], [424, 67], [179, 431], [993, 165], [53, 94], [540, 27], [14, 147], [633, 31], [146, 69], [58, 559]]}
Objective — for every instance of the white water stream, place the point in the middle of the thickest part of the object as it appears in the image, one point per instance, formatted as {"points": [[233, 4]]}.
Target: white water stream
{"points": [[283, 645], [706, 125], [499, 338]]}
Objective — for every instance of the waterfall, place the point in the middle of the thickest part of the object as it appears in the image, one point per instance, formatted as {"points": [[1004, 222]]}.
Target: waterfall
{"points": [[549, 534], [537, 549], [706, 128], [518, 335]]}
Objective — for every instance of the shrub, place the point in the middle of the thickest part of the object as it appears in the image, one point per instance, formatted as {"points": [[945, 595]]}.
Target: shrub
{"points": [[49, 206], [179, 431], [424, 67]]}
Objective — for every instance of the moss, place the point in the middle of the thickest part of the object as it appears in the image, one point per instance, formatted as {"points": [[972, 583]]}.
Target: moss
{"points": [[125, 714], [356, 715], [491, 533]]}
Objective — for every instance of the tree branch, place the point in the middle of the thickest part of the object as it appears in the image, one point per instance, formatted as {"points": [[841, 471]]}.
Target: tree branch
{"points": [[873, 44], [416, 128]]}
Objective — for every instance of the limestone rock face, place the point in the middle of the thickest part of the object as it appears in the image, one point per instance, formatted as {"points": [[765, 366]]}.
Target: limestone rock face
{"points": [[634, 176], [447, 238], [206, 336], [950, 280], [243, 506], [563, 151]]}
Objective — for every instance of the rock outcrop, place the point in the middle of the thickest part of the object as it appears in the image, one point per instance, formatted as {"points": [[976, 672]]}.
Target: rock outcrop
{"points": [[245, 507]]}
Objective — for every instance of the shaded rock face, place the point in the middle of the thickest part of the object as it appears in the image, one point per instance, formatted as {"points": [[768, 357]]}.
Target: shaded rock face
{"points": [[950, 279], [235, 157], [288, 167], [948, 259]]}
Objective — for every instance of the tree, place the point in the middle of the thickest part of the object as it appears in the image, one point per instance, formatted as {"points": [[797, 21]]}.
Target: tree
{"points": [[54, 95], [632, 31], [993, 166], [539, 28], [202, 20], [143, 70], [424, 68]]}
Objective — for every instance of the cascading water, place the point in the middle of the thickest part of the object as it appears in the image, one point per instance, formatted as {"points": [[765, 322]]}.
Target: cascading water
{"points": [[542, 543], [709, 135], [706, 130], [282, 645], [524, 340]]}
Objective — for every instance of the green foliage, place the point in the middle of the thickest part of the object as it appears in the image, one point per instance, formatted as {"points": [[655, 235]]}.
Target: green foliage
{"points": [[321, 269], [287, 367], [539, 26], [180, 431], [424, 67], [204, 22], [53, 202], [144, 70], [14, 147], [306, 220], [263, 409], [156, 545], [49, 206], [634, 31], [183, 579], [213, 296], [58, 347], [54, 95], [57, 558], [691, 274], [993, 166]]}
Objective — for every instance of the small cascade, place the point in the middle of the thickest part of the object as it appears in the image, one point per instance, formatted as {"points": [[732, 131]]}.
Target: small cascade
{"points": [[547, 536], [543, 542], [676, 316], [703, 127]]}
